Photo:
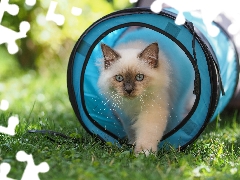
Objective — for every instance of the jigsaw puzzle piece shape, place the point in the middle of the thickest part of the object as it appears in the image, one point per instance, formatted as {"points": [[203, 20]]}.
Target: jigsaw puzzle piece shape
{"points": [[9, 36], [4, 170], [13, 121], [51, 16], [76, 11], [4, 105], [31, 171], [207, 12], [12, 9], [30, 2]]}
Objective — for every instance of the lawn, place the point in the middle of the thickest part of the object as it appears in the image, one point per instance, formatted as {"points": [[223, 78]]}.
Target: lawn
{"points": [[41, 102]]}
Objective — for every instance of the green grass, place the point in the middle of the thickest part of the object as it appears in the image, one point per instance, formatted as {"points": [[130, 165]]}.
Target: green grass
{"points": [[41, 102]]}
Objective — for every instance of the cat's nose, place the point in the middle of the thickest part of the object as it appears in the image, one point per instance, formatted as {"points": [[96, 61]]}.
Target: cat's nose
{"points": [[128, 88], [128, 91]]}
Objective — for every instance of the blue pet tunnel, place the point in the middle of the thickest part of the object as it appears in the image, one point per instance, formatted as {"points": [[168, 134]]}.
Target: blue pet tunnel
{"points": [[205, 72]]}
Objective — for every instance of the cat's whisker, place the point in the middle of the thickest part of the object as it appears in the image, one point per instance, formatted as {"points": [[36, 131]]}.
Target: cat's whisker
{"points": [[107, 94], [115, 99], [106, 102]]}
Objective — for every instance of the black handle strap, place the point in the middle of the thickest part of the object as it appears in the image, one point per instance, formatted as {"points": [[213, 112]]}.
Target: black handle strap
{"points": [[197, 78]]}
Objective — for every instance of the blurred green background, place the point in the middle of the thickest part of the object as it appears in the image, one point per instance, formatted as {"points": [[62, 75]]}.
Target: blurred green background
{"points": [[33, 81], [48, 45], [37, 72]]}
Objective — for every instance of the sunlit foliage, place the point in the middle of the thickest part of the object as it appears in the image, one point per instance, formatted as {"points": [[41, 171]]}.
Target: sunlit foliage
{"points": [[48, 43]]}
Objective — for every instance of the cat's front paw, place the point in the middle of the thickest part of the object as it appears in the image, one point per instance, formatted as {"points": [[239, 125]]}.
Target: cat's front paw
{"points": [[146, 151]]}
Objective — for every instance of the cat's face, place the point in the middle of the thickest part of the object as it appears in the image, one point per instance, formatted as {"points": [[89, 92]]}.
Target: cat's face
{"points": [[129, 82], [129, 71]]}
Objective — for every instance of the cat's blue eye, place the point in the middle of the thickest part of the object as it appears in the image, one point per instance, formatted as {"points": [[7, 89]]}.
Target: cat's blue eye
{"points": [[139, 77], [119, 78]]}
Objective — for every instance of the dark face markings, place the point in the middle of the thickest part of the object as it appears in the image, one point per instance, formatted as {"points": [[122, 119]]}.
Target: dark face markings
{"points": [[128, 80]]}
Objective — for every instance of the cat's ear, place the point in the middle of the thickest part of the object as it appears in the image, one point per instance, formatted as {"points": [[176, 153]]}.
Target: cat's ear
{"points": [[109, 55], [150, 55]]}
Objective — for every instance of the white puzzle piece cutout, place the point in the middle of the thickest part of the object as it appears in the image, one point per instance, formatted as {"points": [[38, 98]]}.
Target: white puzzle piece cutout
{"points": [[51, 16], [4, 105], [209, 10], [4, 170], [13, 121], [30, 2], [7, 35], [12, 9], [76, 11], [31, 171], [133, 1]]}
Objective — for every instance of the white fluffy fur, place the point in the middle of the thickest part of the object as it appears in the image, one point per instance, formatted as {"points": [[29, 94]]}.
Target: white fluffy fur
{"points": [[148, 112]]}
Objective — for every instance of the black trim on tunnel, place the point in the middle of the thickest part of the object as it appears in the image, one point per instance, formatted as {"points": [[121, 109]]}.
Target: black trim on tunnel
{"points": [[104, 34], [209, 57]]}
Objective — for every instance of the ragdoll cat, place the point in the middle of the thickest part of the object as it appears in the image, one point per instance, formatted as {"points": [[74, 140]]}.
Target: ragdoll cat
{"points": [[136, 77]]}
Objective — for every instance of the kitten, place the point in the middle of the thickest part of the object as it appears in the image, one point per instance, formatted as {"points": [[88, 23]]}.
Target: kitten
{"points": [[136, 76]]}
